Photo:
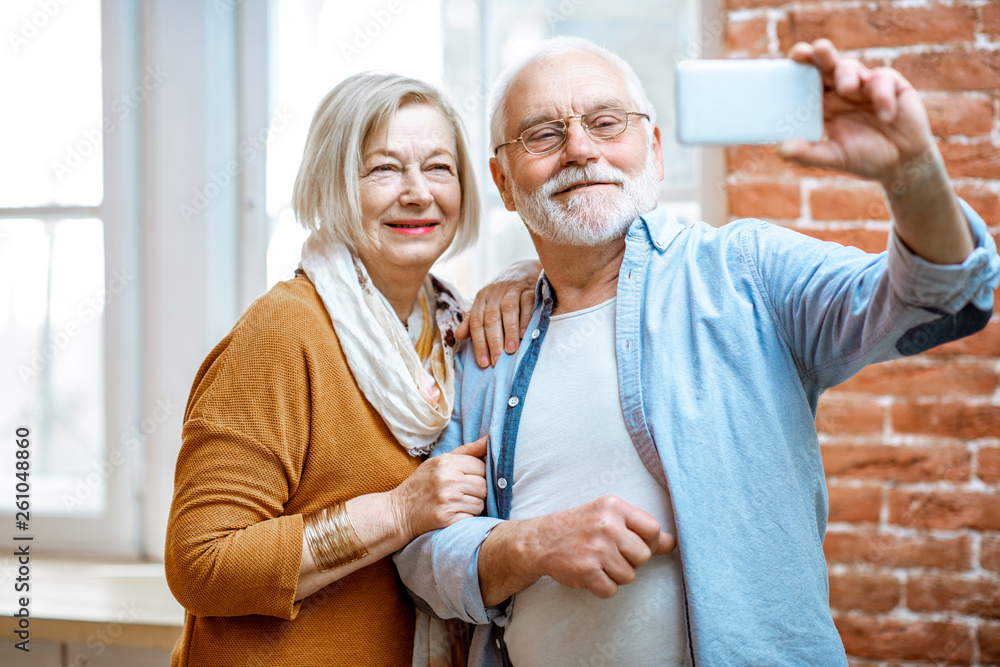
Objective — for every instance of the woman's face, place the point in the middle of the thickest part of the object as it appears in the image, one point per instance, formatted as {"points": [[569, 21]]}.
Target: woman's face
{"points": [[410, 193]]}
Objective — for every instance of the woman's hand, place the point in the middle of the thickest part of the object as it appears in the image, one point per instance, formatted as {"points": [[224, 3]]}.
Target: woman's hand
{"points": [[499, 316], [443, 490]]}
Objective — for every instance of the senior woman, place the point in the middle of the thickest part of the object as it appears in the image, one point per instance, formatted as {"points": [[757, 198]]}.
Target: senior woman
{"points": [[301, 468]]}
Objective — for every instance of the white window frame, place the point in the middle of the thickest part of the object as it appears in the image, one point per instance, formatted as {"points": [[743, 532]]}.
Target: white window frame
{"points": [[194, 276], [112, 533]]}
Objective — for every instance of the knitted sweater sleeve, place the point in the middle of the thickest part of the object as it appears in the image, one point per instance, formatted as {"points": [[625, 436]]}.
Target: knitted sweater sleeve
{"points": [[230, 549]]}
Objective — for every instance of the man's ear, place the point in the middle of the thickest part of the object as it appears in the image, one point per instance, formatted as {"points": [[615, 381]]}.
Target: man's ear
{"points": [[502, 182], [658, 150]]}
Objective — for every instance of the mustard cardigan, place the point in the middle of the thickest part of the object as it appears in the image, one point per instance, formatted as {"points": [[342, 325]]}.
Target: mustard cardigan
{"points": [[275, 428]]}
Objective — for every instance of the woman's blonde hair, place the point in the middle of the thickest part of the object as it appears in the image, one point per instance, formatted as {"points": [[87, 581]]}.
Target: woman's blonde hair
{"points": [[327, 195]]}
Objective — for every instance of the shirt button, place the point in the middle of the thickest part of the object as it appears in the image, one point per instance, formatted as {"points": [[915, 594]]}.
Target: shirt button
{"points": [[502, 483], [535, 334], [513, 402]]}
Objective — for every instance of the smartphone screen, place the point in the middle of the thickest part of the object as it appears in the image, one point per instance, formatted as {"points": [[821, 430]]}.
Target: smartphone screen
{"points": [[733, 102]]}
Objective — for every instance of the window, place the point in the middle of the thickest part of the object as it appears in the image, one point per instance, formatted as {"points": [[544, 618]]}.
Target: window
{"points": [[52, 287], [68, 293]]}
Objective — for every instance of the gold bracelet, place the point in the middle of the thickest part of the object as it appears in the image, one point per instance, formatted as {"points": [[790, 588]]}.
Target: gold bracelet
{"points": [[331, 537]]}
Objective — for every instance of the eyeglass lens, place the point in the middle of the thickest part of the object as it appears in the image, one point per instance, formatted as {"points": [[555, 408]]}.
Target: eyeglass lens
{"points": [[600, 124]]}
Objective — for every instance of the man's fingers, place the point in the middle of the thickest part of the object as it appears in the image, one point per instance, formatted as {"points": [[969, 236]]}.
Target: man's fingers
{"points": [[846, 76], [816, 154], [527, 305], [666, 544], [634, 549], [602, 586], [643, 524], [619, 569], [510, 312], [801, 52], [883, 94], [493, 332], [825, 55], [479, 347]]}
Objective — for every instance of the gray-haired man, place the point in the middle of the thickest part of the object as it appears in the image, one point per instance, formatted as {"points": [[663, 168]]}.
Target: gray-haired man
{"points": [[669, 383]]}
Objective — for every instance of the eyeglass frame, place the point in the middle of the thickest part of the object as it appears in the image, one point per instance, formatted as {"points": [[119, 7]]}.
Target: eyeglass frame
{"points": [[565, 131]]}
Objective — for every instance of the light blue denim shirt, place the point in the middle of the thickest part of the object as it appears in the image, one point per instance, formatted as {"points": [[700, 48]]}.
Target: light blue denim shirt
{"points": [[725, 338]]}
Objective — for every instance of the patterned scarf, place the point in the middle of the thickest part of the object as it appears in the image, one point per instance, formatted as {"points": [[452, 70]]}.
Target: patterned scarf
{"points": [[405, 372]]}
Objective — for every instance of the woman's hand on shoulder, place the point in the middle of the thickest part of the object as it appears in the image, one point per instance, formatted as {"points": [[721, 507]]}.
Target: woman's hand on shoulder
{"points": [[443, 490], [499, 316]]}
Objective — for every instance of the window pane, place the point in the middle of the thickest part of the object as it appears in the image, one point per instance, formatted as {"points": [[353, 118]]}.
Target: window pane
{"points": [[51, 125], [52, 299]]}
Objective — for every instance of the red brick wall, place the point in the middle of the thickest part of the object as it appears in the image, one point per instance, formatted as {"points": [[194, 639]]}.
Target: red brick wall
{"points": [[911, 448]]}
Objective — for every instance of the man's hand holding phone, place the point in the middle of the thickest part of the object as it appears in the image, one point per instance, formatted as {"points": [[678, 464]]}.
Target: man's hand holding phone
{"points": [[874, 126], [820, 108], [875, 122]]}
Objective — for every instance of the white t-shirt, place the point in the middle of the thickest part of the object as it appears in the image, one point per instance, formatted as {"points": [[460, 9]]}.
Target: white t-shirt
{"points": [[573, 447]]}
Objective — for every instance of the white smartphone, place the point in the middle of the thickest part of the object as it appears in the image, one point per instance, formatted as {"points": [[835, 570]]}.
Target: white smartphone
{"points": [[733, 102]]}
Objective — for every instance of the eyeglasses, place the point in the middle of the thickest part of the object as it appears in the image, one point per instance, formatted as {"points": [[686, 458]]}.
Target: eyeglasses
{"points": [[602, 124]]}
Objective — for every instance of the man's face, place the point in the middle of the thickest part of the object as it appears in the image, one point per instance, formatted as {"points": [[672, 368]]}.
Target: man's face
{"points": [[588, 190]]}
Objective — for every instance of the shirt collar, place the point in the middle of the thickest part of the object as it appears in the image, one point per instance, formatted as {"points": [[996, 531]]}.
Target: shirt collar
{"points": [[660, 226]]}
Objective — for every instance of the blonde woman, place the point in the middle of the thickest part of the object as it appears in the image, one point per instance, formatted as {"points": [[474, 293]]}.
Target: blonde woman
{"points": [[302, 465]]}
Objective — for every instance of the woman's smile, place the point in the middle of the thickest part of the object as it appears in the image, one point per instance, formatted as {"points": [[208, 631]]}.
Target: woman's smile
{"points": [[413, 227]]}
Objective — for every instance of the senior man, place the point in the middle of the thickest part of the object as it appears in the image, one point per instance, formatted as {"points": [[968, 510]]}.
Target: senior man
{"points": [[669, 382]]}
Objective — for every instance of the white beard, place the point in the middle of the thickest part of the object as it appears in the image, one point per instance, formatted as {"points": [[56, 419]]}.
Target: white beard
{"points": [[588, 218]]}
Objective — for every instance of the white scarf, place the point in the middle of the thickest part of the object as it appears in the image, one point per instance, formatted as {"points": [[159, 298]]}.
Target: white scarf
{"points": [[413, 396]]}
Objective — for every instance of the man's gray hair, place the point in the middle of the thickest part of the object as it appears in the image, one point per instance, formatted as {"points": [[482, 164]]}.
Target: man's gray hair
{"points": [[353, 116], [551, 48]]}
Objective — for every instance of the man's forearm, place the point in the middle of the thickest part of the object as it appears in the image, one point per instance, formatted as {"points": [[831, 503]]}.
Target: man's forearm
{"points": [[506, 563], [926, 214]]}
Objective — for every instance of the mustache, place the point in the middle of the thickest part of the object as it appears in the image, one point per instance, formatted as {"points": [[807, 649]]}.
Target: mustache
{"points": [[592, 172]]}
